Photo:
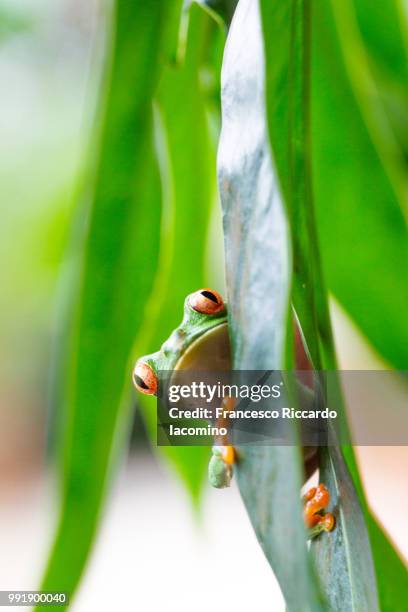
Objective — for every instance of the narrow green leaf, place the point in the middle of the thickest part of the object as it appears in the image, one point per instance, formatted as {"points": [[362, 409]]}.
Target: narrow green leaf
{"points": [[117, 273], [290, 136], [363, 241], [383, 26], [362, 231], [368, 97], [380, 33], [364, 244], [392, 572], [363, 238], [258, 279], [343, 560], [224, 8], [183, 105], [343, 556]]}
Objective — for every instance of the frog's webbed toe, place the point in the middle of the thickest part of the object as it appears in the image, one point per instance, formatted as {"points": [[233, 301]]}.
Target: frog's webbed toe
{"points": [[316, 500]]}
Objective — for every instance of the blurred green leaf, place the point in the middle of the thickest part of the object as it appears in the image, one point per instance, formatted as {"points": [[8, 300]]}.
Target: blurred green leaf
{"points": [[13, 22], [368, 96], [362, 231], [118, 270], [383, 25], [258, 279], [392, 572], [191, 190], [364, 243], [224, 8], [344, 554], [291, 138]]}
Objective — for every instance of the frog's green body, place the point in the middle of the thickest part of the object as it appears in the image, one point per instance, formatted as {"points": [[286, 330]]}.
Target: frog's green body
{"points": [[200, 343], [196, 331]]}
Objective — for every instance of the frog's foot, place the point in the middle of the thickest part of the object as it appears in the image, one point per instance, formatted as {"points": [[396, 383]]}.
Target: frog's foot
{"points": [[226, 452], [324, 523], [316, 500], [220, 469]]}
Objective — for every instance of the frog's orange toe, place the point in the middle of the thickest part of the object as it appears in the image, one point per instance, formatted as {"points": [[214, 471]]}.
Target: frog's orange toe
{"points": [[309, 494], [327, 521], [317, 499]]}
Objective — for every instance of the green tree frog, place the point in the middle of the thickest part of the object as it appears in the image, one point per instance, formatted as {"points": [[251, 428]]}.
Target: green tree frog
{"points": [[201, 343]]}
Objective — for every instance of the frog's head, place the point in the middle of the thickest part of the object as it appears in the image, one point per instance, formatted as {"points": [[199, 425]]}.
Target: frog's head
{"points": [[199, 343]]}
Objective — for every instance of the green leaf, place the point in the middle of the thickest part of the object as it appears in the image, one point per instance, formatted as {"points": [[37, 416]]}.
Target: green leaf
{"points": [[369, 99], [343, 556], [344, 561], [118, 269], [364, 243], [14, 22], [392, 572], [382, 27], [378, 36], [362, 234], [183, 102], [224, 8], [258, 279], [289, 123], [362, 230]]}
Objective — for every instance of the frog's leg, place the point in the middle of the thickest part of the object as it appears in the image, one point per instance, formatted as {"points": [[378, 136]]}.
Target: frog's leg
{"points": [[224, 454], [316, 500], [228, 405], [227, 451], [220, 466]]}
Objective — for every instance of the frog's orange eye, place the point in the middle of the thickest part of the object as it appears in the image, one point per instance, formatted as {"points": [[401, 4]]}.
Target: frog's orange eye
{"points": [[206, 301], [144, 379]]}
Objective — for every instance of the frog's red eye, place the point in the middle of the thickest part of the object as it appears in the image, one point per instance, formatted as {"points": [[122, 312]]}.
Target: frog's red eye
{"points": [[206, 301], [144, 379]]}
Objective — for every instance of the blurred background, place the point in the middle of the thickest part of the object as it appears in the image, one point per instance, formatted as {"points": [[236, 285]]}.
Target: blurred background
{"points": [[151, 544]]}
